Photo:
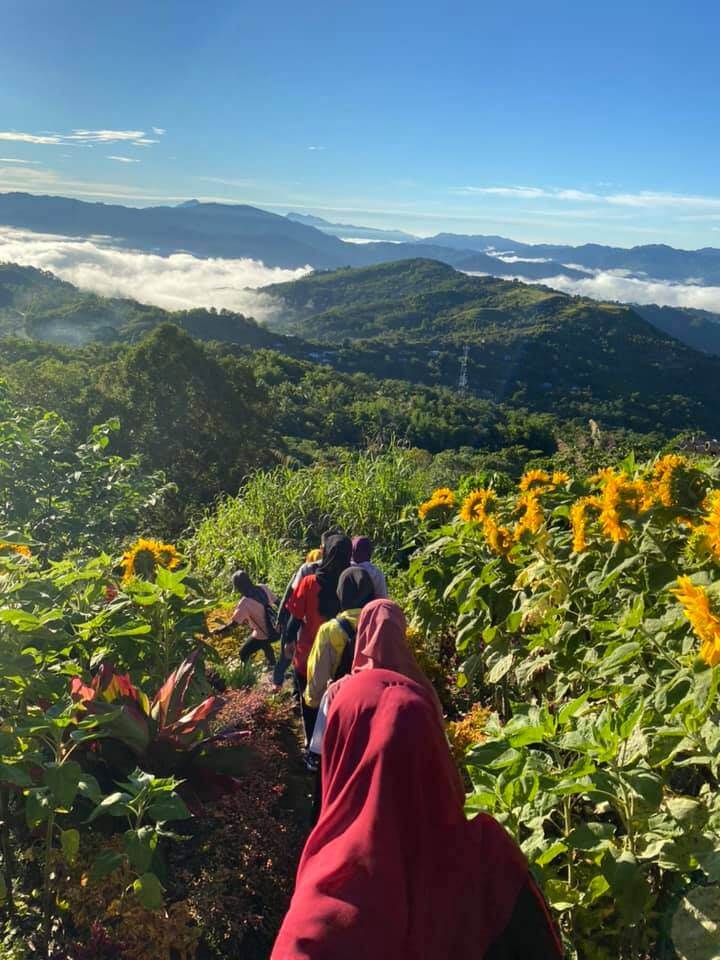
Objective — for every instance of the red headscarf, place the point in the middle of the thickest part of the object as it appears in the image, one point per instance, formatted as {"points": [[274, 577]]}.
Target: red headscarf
{"points": [[393, 870], [381, 643]]}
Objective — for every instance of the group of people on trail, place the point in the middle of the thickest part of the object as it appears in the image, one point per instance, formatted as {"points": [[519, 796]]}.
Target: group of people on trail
{"points": [[392, 869]]}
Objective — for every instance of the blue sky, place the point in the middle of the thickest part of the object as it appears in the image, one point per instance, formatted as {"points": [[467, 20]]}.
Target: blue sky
{"points": [[567, 122]]}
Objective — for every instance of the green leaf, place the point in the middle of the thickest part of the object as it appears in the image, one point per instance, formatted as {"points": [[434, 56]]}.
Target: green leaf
{"points": [[501, 668], [550, 854], [645, 784], [149, 891], [595, 889], [684, 809], [619, 656], [14, 774], [70, 844], [89, 788], [105, 864], [591, 836], [695, 925], [139, 846], [37, 806], [63, 780], [168, 808], [627, 883], [115, 804]]}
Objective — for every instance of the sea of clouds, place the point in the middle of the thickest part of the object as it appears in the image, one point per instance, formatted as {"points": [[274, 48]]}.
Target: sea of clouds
{"points": [[181, 280], [616, 285], [176, 282]]}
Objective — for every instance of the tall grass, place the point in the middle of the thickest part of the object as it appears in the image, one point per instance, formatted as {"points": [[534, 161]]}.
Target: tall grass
{"points": [[281, 513]]}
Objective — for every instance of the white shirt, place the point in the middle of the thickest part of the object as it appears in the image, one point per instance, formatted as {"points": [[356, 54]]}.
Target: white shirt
{"points": [[377, 577]]}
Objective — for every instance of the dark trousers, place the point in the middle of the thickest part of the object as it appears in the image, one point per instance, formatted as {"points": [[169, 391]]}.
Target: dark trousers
{"points": [[253, 645], [309, 714], [281, 667]]}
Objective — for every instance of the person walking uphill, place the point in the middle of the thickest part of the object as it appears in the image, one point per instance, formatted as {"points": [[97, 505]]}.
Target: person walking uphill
{"points": [[334, 647], [255, 611], [393, 870], [314, 601], [362, 552]]}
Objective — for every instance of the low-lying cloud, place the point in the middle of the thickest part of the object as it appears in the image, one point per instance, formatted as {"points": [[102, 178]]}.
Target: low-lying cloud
{"points": [[616, 285], [177, 282]]}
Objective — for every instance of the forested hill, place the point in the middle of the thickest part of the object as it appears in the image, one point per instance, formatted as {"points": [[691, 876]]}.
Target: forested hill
{"points": [[527, 347], [36, 304], [527, 344]]}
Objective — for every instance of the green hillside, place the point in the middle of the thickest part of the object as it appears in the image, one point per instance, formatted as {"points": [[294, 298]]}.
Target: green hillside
{"points": [[526, 344]]}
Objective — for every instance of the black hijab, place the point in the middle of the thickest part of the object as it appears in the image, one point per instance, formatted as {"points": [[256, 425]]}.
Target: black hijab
{"points": [[355, 588], [244, 585], [336, 558]]}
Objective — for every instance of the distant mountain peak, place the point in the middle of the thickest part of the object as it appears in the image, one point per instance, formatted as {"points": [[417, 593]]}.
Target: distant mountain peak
{"points": [[188, 203]]}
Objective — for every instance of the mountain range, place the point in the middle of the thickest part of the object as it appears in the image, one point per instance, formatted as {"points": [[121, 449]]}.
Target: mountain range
{"points": [[299, 240]]}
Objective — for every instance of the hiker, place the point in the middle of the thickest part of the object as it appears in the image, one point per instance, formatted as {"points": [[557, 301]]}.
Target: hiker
{"points": [[255, 610], [332, 652], [362, 552], [381, 643], [392, 868], [314, 601], [310, 565]]}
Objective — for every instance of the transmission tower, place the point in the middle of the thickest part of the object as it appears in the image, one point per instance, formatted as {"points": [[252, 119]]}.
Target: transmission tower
{"points": [[463, 380]]}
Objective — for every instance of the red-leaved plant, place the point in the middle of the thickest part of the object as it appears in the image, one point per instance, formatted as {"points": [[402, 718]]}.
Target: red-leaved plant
{"points": [[162, 736]]}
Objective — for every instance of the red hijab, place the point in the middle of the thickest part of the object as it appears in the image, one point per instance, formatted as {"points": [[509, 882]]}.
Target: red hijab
{"points": [[381, 643], [393, 870]]}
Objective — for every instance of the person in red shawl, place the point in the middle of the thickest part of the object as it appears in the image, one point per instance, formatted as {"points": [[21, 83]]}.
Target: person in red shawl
{"points": [[393, 870]]}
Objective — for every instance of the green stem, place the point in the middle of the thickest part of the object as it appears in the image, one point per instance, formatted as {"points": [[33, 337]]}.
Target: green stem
{"points": [[6, 851], [567, 819], [47, 884]]}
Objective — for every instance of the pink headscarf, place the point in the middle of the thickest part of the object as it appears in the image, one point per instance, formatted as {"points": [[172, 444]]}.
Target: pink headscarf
{"points": [[381, 644]]}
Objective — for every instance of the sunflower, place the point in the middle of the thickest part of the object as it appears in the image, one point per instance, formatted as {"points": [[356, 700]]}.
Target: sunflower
{"points": [[168, 556], [664, 476], [617, 494], [579, 522], [534, 478], [20, 548], [145, 556], [445, 494], [497, 537], [440, 504], [532, 514], [709, 529], [476, 506], [704, 621]]}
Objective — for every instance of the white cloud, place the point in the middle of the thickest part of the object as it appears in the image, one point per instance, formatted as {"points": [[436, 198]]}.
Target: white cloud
{"points": [[79, 138], [176, 282], [645, 199], [28, 137], [317, 148], [104, 136], [159, 131], [16, 160], [616, 285], [18, 177], [112, 156], [228, 182]]}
